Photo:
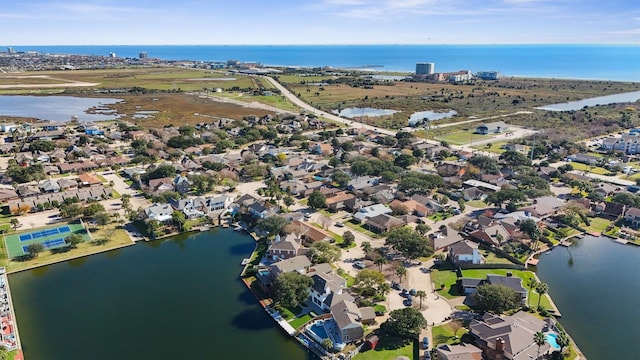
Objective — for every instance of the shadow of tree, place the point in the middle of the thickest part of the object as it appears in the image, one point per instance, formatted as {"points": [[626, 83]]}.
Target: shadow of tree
{"points": [[252, 319]]}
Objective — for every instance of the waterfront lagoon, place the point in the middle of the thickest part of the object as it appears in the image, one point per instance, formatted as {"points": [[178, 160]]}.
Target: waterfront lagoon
{"points": [[175, 299], [595, 101], [57, 108], [429, 115], [355, 112], [595, 285]]}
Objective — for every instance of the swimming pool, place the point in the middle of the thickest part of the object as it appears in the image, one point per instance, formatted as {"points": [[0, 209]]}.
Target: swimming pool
{"points": [[318, 329], [552, 340]]}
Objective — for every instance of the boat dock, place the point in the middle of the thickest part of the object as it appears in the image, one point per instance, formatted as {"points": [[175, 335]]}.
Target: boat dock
{"points": [[9, 337]]}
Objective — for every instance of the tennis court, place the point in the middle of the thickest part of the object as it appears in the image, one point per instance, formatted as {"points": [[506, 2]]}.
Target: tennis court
{"points": [[51, 238]]}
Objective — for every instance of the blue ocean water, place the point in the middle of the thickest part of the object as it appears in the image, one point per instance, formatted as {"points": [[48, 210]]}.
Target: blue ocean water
{"points": [[602, 62]]}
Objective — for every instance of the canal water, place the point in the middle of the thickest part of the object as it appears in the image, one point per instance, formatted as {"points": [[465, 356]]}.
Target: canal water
{"points": [[596, 287], [174, 299]]}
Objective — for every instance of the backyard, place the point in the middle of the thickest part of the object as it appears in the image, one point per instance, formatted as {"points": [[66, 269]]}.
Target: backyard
{"points": [[389, 348], [448, 333]]}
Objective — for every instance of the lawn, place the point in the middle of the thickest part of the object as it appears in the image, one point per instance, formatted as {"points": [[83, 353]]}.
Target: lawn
{"points": [[445, 333], [388, 348], [350, 279], [448, 278], [360, 229], [479, 204], [298, 322], [496, 147], [440, 215], [493, 258], [591, 169], [524, 275], [463, 137], [598, 225]]}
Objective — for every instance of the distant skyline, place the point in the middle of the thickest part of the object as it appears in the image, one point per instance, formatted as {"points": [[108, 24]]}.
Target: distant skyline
{"points": [[252, 22]]}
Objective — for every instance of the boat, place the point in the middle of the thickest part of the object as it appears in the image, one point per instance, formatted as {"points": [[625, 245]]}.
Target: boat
{"points": [[245, 261]]}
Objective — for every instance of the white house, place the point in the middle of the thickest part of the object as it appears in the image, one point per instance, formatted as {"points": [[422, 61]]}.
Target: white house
{"points": [[465, 252], [160, 212]]}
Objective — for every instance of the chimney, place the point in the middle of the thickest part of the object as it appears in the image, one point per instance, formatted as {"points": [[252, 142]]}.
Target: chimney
{"points": [[499, 346]]}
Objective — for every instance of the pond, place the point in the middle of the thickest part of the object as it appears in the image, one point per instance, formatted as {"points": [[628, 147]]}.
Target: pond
{"points": [[418, 117], [595, 101], [57, 108], [359, 112]]}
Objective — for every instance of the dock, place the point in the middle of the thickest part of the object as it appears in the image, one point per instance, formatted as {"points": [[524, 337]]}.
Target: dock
{"points": [[9, 337]]}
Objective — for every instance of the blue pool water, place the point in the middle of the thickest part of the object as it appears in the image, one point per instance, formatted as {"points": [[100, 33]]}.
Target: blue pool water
{"points": [[318, 329], [551, 339]]}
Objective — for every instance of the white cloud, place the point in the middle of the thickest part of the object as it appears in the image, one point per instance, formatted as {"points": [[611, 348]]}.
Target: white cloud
{"points": [[625, 32]]}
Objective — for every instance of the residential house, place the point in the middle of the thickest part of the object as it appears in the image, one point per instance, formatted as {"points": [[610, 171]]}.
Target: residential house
{"points": [[8, 194], [321, 148], [443, 238], [337, 201], [470, 286], [160, 212], [605, 189], [632, 215], [299, 264], [309, 233], [349, 319], [161, 185], [362, 182], [181, 184], [51, 170], [93, 130], [411, 206], [481, 184], [286, 248], [383, 223], [459, 352], [465, 252], [49, 186], [87, 179], [492, 128], [473, 193], [510, 337], [545, 206], [610, 210], [584, 159], [495, 234], [328, 288], [371, 211], [27, 190]]}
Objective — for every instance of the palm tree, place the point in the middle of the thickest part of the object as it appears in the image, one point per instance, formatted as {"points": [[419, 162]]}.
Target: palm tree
{"points": [[563, 341], [531, 283], [366, 247], [421, 294], [381, 260], [401, 271], [541, 289], [126, 201], [539, 339]]}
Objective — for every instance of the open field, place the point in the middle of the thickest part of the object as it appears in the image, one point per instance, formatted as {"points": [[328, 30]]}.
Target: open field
{"points": [[479, 98], [388, 349], [117, 238], [464, 137]]}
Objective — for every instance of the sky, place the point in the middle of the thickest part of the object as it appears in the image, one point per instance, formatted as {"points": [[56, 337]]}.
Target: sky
{"points": [[276, 22]]}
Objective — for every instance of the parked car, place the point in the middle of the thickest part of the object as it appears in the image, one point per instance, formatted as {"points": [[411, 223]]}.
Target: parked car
{"points": [[307, 216], [404, 292], [413, 292], [339, 224], [427, 355], [408, 302], [425, 342], [359, 265], [395, 285]]}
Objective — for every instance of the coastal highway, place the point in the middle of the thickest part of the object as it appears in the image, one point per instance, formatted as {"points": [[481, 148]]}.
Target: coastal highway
{"points": [[295, 100]]}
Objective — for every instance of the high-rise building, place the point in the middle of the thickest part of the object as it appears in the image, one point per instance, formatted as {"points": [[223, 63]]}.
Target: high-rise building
{"points": [[424, 68], [11, 50], [142, 55], [112, 54]]}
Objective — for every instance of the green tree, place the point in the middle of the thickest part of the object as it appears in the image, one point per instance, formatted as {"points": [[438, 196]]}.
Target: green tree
{"points": [[563, 340], [291, 289], [288, 201], [178, 219], [514, 158], [73, 240], [400, 271], [317, 200], [327, 344], [496, 298], [34, 249], [341, 178], [366, 247], [461, 204], [272, 225], [541, 289], [323, 252], [160, 171], [531, 284], [15, 223], [101, 218], [539, 338], [406, 323], [409, 242], [379, 262], [92, 209], [423, 229], [126, 201], [421, 294], [405, 160], [348, 238], [360, 168], [369, 284], [70, 211], [530, 227], [499, 197]]}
